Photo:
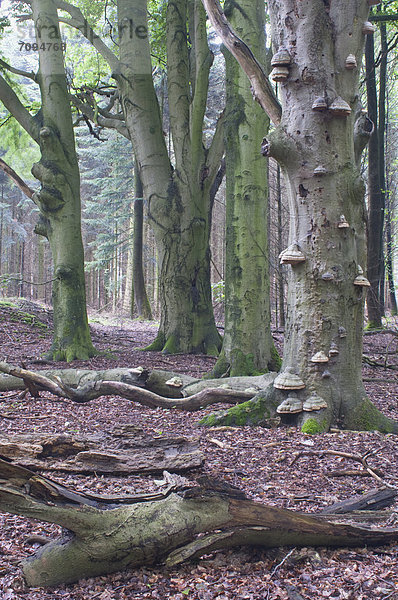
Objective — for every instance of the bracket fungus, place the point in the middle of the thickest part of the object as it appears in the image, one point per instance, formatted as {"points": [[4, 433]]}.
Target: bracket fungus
{"points": [[290, 406], [288, 380], [351, 62], [314, 402], [291, 256], [361, 281], [333, 350], [175, 382], [320, 170], [343, 223], [327, 276], [340, 107], [279, 73], [320, 104], [326, 374], [342, 332], [281, 58], [368, 28], [319, 357]]}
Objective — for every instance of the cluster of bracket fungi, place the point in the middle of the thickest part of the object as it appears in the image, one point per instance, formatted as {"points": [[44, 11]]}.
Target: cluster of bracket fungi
{"points": [[289, 381]]}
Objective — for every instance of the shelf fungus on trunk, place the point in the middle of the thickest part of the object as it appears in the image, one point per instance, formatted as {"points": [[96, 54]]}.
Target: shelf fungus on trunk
{"points": [[291, 405], [340, 108], [360, 280], [175, 382], [288, 380], [320, 170], [368, 28], [327, 276], [291, 256], [279, 74], [281, 58], [314, 402], [351, 62], [320, 104], [333, 351], [343, 223], [319, 358]]}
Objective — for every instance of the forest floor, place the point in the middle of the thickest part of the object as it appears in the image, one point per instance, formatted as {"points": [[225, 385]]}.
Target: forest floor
{"points": [[257, 460]]}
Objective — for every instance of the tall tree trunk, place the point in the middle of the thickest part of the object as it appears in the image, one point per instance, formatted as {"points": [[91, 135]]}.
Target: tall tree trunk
{"points": [[247, 346], [178, 196], [383, 181], [318, 143], [280, 274], [139, 289], [375, 197]]}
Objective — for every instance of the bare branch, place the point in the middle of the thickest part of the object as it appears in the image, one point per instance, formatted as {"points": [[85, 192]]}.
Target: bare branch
{"points": [[261, 87], [16, 179], [8, 67]]}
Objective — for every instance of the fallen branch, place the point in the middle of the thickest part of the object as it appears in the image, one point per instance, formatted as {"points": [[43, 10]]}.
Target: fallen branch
{"points": [[96, 389], [108, 534], [356, 457]]}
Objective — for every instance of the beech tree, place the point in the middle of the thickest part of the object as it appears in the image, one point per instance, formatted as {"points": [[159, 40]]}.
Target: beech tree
{"points": [[247, 344], [59, 197], [318, 140], [179, 188]]}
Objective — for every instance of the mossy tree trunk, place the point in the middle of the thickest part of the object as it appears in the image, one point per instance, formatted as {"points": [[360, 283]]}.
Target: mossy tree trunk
{"points": [[319, 153], [247, 346], [178, 194], [59, 197]]}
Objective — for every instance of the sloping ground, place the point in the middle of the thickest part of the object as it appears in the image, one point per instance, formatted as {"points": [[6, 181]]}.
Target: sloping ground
{"points": [[255, 459]]}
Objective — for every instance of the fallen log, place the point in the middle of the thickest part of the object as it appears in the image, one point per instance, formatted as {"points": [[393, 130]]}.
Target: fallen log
{"points": [[109, 534], [96, 389], [124, 449]]}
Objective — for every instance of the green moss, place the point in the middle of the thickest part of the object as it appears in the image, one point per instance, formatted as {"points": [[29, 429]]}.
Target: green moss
{"points": [[157, 344], [276, 361], [313, 427], [372, 326], [257, 411], [171, 346], [220, 368], [242, 364], [7, 303], [366, 417]]}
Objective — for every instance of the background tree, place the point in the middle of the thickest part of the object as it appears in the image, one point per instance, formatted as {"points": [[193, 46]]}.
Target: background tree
{"points": [[247, 345], [58, 172], [179, 187]]}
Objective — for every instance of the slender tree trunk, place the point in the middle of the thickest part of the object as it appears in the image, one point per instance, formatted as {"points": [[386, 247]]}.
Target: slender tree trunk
{"points": [[59, 197], [383, 181], [139, 289], [375, 197], [247, 346]]}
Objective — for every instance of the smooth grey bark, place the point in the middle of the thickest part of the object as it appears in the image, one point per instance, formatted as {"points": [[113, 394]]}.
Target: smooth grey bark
{"points": [[178, 188], [59, 197], [247, 345], [319, 154]]}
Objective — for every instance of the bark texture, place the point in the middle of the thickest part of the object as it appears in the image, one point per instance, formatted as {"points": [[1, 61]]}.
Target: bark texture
{"points": [[59, 197], [124, 449], [319, 154], [318, 144], [109, 534], [247, 345], [178, 194]]}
